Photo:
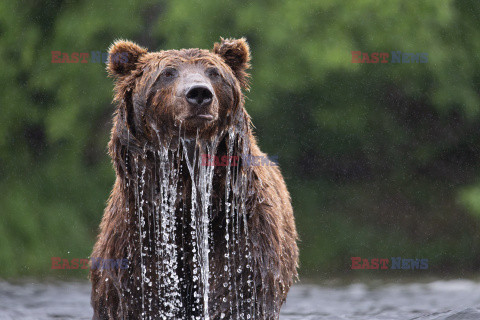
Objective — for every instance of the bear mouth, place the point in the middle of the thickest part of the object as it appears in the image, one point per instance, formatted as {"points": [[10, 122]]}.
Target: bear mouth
{"points": [[207, 117], [201, 117]]}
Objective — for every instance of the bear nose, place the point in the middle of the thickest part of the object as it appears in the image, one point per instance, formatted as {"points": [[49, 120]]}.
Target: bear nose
{"points": [[199, 96]]}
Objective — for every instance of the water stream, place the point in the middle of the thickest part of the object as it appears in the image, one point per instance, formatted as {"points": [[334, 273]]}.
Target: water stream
{"points": [[175, 205]]}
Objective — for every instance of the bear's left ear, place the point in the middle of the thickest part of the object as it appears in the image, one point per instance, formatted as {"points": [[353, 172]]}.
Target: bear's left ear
{"points": [[236, 54], [122, 57]]}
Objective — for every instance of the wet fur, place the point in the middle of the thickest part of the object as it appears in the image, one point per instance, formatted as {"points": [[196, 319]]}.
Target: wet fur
{"points": [[144, 122]]}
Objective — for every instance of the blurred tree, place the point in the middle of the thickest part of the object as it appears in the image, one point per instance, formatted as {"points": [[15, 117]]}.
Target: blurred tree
{"points": [[381, 159]]}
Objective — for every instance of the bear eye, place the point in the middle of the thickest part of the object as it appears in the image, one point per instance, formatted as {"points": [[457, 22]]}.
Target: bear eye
{"points": [[169, 72], [213, 72]]}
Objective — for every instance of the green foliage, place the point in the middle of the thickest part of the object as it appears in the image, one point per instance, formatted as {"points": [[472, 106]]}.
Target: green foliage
{"points": [[381, 159]]}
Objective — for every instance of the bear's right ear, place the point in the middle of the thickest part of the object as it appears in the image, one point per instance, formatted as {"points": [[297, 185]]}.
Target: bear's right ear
{"points": [[122, 57]]}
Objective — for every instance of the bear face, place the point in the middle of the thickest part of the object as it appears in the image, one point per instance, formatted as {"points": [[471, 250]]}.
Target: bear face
{"points": [[192, 91]]}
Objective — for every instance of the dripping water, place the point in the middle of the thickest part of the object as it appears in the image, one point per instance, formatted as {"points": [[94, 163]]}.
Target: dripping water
{"points": [[159, 194]]}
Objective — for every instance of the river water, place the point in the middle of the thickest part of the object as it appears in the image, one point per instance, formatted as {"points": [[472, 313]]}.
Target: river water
{"points": [[438, 299]]}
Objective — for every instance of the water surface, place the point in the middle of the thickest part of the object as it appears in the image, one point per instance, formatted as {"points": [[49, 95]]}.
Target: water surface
{"points": [[439, 300]]}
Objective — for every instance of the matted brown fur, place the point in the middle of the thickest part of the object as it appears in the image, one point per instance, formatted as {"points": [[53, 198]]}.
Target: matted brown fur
{"points": [[152, 111]]}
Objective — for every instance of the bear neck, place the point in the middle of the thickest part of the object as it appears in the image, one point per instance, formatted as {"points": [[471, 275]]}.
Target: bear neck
{"points": [[146, 174]]}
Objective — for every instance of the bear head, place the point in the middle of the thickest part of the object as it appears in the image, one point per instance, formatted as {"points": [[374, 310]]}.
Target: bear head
{"points": [[188, 92]]}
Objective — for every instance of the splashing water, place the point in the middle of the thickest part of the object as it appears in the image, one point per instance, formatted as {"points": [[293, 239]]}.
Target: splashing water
{"points": [[175, 204]]}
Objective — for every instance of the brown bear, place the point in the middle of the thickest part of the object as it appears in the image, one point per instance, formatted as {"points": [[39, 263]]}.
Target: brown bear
{"points": [[203, 219]]}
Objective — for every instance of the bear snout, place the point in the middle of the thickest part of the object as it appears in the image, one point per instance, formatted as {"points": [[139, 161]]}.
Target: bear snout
{"points": [[199, 96]]}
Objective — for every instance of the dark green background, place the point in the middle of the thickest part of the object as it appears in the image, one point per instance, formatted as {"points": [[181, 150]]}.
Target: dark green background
{"points": [[381, 159]]}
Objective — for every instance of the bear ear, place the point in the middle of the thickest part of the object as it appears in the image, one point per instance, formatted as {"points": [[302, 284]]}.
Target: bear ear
{"points": [[236, 53], [122, 57]]}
